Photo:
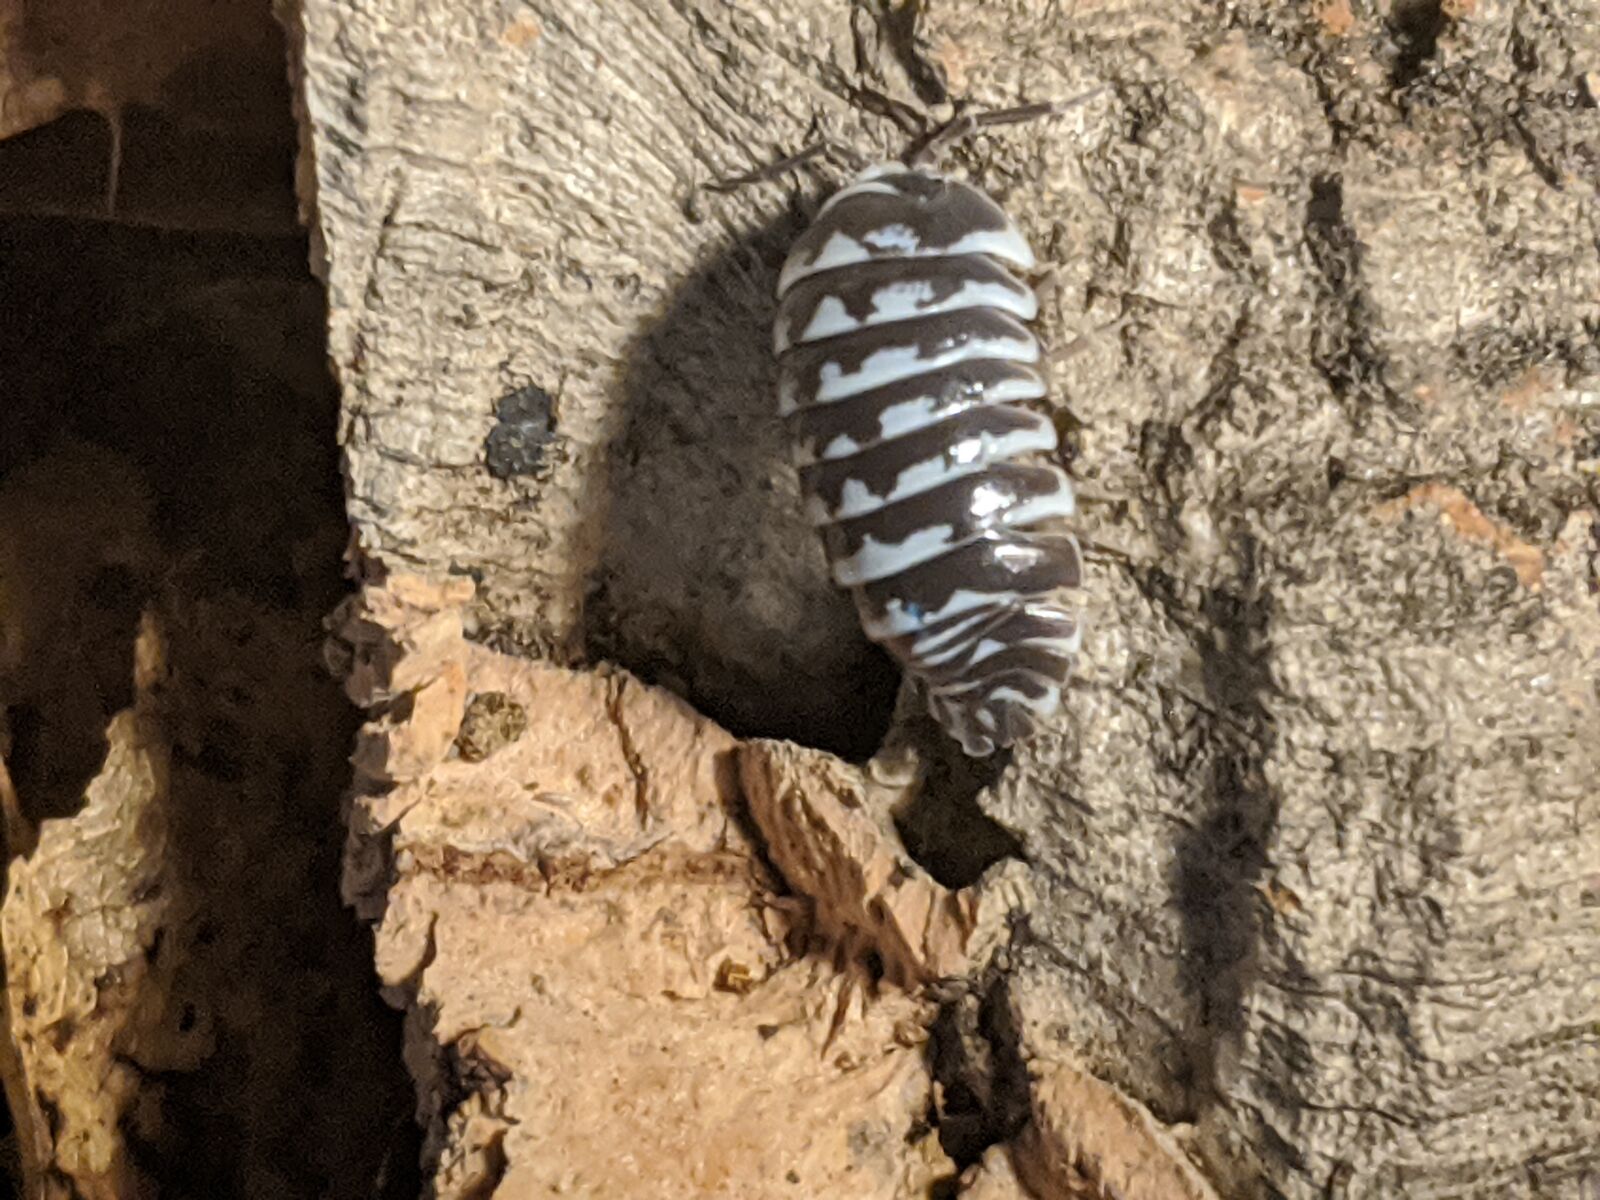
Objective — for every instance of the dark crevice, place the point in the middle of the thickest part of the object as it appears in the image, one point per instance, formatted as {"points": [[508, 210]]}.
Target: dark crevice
{"points": [[976, 1057], [943, 827], [1415, 26], [1344, 349], [1223, 376], [161, 372], [1166, 456], [1524, 53], [898, 29], [1543, 167], [169, 464], [1333, 246]]}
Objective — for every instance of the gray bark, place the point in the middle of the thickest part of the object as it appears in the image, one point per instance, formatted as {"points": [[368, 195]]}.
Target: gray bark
{"points": [[1314, 843]]}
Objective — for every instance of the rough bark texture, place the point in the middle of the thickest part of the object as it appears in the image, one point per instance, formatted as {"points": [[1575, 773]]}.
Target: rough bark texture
{"points": [[607, 995], [1312, 851]]}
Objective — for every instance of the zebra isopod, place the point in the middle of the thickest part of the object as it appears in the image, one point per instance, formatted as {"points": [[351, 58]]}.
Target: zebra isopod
{"points": [[905, 367]]}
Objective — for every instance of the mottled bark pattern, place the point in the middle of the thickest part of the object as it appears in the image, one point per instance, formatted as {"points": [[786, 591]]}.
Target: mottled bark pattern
{"points": [[1313, 843]]}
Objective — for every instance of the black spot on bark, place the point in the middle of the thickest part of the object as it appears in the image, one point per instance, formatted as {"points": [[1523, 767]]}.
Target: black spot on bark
{"points": [[525, 425]]}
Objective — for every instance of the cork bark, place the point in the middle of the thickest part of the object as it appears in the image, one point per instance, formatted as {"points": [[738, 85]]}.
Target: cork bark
{"points": [[1307, 891]]}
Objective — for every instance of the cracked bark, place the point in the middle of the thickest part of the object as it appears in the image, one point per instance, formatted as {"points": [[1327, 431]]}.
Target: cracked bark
{"points": [[1311, 852]]}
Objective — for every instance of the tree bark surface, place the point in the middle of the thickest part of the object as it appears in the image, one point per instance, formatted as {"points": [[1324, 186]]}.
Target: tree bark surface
{"points": [[1312, 891]]}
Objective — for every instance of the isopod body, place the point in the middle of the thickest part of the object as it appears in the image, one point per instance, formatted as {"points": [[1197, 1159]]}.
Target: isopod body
{"points": [[905, 366]]}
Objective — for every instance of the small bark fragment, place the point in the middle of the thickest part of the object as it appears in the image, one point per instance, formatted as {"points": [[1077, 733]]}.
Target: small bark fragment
{"points": [[1088, 1140], [826, 828]]}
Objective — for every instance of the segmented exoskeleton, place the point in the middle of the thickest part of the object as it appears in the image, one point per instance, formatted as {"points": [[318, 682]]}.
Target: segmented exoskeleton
{"points": [[904, 368]]}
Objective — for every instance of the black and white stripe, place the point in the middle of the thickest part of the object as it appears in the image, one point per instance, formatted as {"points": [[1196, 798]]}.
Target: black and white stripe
{"points": [[903, 363]]}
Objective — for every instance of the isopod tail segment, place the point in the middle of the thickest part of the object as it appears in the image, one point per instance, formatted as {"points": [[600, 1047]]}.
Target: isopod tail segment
{"points": [[905, 369]]}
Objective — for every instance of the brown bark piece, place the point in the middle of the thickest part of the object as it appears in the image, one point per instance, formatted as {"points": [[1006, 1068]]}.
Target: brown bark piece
{"points": [[825, 826], [602, 998], [77, 947], [1088, 1140]]}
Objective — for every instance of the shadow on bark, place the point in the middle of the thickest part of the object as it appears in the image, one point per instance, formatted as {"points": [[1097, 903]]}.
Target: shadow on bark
{"points": [[710, 581], [1220, 858], [943, 826]]}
